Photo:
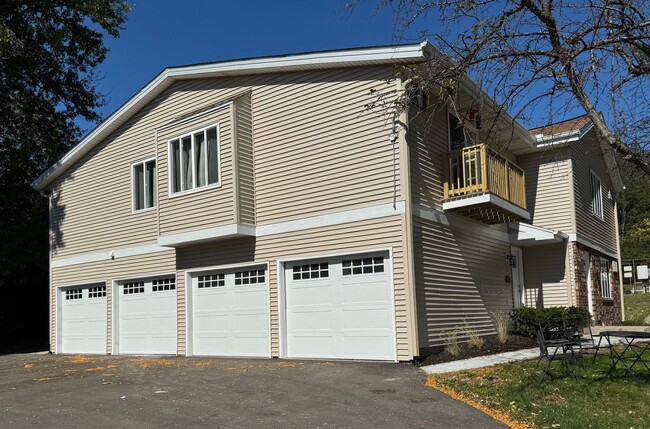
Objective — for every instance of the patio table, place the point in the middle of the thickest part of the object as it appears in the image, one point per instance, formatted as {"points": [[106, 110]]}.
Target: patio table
{"points": [[636, 341]]}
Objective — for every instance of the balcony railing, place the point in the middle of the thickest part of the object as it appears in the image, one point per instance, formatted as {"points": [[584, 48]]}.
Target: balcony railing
{"points": [[478, 169]]}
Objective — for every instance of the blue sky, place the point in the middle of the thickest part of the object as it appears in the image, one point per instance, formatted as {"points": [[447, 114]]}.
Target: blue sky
{"points": [[161, 33]]}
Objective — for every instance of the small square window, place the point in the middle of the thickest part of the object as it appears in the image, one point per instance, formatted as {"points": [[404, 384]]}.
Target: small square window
{"points": [[363, 266], [317, 270], [160, 285]]}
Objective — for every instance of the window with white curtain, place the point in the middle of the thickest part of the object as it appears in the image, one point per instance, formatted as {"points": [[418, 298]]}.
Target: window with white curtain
{"points": [[143, 176], [194, 160]]}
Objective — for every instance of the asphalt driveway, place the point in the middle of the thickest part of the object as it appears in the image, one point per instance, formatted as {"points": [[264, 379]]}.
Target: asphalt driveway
{"points": [[38, 390]]}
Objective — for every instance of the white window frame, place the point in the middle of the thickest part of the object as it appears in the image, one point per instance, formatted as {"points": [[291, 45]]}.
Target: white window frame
{"points": [[596, 195], [155, 185], [605, 287], [171, 168]]}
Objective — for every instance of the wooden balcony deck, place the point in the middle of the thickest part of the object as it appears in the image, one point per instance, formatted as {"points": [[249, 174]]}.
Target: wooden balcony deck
{"points": [[484, 186]]}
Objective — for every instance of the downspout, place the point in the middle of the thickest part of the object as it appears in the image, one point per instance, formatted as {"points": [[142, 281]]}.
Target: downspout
{"points": [[49, 267], [619, 262], [407, 230]]}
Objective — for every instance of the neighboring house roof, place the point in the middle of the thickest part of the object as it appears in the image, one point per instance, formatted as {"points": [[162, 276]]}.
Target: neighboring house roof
{"points": [[565, 132], [574, 124], [284, 63]]}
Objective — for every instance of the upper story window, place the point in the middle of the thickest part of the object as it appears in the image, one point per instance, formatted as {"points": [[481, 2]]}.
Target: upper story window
{"points": [[596, 196], [144, 185], [459, 136], [194, 160]]}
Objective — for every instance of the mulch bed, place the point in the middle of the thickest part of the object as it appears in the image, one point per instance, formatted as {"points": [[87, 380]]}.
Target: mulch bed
{"points": [[491, 346]]}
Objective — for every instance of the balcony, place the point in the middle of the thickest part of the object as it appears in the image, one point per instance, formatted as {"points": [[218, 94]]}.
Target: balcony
{"points": [[485, 186]]}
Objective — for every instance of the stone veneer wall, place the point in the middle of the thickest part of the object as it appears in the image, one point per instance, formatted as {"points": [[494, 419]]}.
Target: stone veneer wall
{"points": [[606, 311]]}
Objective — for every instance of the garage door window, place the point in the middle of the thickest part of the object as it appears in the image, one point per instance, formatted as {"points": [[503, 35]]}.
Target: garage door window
{"points": [[97, 292], [249, 277], [73, 294], [311, 271], [160, 285], [136, 287], [212, 280], [353, 267]]}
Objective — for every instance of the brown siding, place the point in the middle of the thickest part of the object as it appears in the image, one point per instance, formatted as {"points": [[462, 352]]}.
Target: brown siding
{"points": [[545, 275], [548, 189], [586, 155], [460, 274]]}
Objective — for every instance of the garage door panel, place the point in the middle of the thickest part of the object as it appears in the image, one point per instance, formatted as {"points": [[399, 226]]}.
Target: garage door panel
{"points": [[310, 320], [316, 294], [366, 292], [230, 313], [367, 319], [365, 347], [250, 298]]}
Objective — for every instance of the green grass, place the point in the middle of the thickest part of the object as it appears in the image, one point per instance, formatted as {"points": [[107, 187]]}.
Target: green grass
{"points": [[595, 401], [637, 308]]}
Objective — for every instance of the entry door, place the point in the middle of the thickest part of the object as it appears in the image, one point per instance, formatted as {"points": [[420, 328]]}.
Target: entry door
{"points": [[518, 287]]}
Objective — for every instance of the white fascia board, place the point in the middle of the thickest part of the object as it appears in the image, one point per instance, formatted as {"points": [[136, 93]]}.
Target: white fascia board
{"points": [[486, 198], [208, 234], [347, 58]]}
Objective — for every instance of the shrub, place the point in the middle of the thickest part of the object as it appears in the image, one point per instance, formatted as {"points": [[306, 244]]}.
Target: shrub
{"points": [[556, 322], [500, 320], [473, 338], [451, 341]]}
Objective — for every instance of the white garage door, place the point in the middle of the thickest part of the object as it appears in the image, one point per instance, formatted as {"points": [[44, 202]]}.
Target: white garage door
{"points": [[340, 308], [83, 320], [230, 313], [147, 317]]}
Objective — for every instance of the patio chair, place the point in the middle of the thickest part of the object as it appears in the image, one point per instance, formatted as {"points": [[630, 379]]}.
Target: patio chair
{"points": [[565, 351], [587, 341]]}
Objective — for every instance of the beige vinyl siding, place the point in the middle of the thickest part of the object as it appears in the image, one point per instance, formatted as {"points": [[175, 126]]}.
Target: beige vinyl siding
{"points": [[428, 145], [245, 160], [338, 239], [545, 275], [110, 270], [548, 188], [317, 150], [460, 276], [202, 207], [586, 155]]}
